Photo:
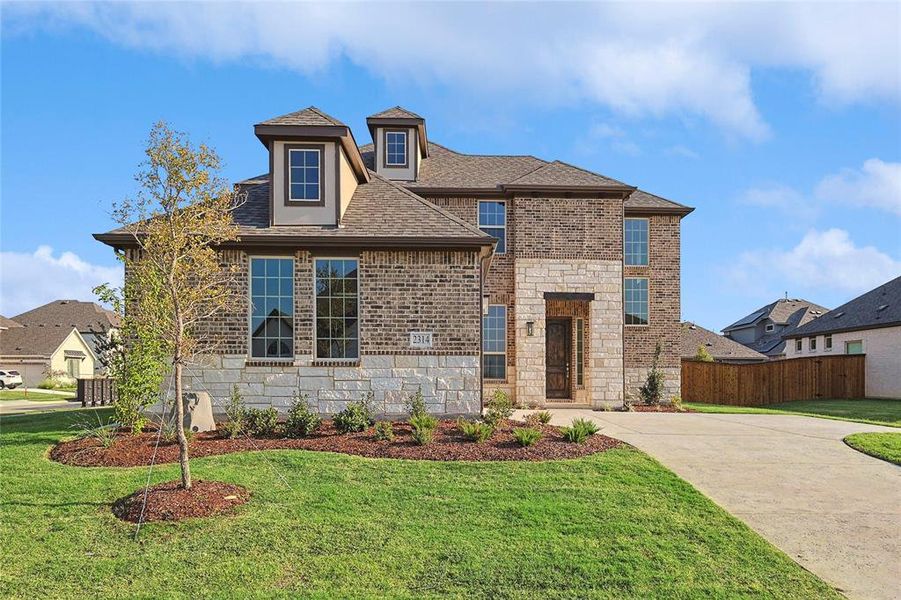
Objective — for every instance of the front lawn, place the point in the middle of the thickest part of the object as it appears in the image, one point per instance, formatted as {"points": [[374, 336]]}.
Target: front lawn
{"points": [[33, 396], [874, 412], [611, 525], [886, 446]]}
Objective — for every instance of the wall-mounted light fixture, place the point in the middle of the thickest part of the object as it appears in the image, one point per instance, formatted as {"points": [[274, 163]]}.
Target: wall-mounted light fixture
{"points": [[530, 328]]}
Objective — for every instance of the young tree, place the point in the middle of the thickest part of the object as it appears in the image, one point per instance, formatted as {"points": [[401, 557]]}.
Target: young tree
{"points": [[652, 390], [175, 282], [703, 355]]}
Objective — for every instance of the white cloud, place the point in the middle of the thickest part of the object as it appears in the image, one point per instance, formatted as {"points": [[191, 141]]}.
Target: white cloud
{"points": [[638, 59], [614, 136], [783, 199], [30, 280], [822, 261], [876, 184], [681, 151]]}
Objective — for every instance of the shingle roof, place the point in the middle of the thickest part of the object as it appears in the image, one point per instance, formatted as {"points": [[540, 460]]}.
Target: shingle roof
{"points": [[397, 112], [32, 341], [380, 208], [86, 317], [559, 173], [880, 307], [310, 116], [721, 348], [641, 199], [782, 312], [7, 323]]}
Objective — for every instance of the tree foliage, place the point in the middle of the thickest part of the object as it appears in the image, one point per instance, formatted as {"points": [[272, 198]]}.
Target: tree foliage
{"points": [[652, 390]]}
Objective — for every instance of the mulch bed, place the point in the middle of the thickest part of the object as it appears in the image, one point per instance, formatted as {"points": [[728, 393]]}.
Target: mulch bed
{"points": [[170, 502], [664, 408], [448, 444]]}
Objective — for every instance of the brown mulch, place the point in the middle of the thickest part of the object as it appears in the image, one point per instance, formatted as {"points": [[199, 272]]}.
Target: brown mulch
{"points": [[170, 502], [448, 444], [664, 408]]}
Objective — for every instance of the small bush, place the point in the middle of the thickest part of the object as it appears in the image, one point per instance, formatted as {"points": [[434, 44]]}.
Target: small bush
{"points": [[542, 417], [236, 413], [262, 422], [703, 355], [302, 420], [526, 436], [357, 416], [579, 431], [415, 404], [677, 403], [57, 383], [424, 427], [475, 431], [103, 433], [384, 431], [500, 408], [652, 390]]}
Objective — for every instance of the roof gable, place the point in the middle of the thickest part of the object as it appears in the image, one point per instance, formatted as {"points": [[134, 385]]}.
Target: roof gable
{"points": [[306, 117], [880, 307], [396, 112], [34, 341], [792, 312], [88, 317]]}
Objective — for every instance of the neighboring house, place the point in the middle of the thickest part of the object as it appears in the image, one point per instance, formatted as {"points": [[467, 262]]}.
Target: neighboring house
{"points": [[869, 324], [6, 323], [765, 329], [37, 351], [91, 320], [404, 264], [721, 348]]}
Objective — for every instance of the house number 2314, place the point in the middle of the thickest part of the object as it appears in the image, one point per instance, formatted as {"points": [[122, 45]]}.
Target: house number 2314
{"points": [[420, 339]]}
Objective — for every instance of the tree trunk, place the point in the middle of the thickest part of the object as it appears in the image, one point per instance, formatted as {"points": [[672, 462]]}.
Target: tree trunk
{"points": [[180, 430]]}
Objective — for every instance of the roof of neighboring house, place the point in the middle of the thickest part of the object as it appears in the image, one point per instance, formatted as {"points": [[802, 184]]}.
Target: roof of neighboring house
{"points": [[310, 117], [397, 112], [782, 312], [721, 348], [880, 307], [86, 317], [7, 323], [32, 341]]}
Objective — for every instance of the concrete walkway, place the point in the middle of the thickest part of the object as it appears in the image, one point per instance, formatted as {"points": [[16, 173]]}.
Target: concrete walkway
{"points": [[835, 511]]}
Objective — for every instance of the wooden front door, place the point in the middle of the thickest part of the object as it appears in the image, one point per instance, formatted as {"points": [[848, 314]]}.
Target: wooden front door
{"points": [[557, 357]]}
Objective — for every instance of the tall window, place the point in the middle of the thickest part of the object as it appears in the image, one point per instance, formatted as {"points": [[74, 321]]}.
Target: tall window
{"points": [[636, 300], [798, 345], [272, 307], [494, 342], [636, 242], [304, 174], [396, 148], [812, 344], [827, 342], [493, 221], [73, 367], [580, 352], [337, 309]]}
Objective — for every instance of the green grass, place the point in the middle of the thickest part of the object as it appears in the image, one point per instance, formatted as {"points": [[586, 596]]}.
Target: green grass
{"points": [[613, 525], [874, 412], [886, 446], [34, 396]]}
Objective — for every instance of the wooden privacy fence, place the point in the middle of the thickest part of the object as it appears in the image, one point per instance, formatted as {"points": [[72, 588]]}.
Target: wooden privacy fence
{"points": [[757, 384], [96, 392]]}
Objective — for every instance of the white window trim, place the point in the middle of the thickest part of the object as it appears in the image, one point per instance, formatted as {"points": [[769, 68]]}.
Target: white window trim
{"points": [[769, 327], [504, 226], [649, 241], [828, 345], [812, 344], [504, 353], [250, 355], [321, 170], [799, 345], [359, 320], [388, 163], [648, 324]]}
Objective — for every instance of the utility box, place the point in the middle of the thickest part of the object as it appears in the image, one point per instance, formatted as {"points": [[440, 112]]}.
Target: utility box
{"points": [[198, 412]]}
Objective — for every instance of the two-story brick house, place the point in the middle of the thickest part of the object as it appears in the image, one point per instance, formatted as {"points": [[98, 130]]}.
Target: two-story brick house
{"points": [[404, 264]]}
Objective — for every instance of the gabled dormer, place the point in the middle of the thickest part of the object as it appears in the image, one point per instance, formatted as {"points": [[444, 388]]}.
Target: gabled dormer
{"points": [[314, 167], [400, 142]]}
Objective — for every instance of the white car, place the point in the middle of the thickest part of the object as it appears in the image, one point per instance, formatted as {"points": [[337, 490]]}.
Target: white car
{"points": [[10, 379]]}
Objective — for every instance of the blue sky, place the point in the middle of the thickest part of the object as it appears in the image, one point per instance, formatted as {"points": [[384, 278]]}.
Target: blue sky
{"points": [[780, 123]]}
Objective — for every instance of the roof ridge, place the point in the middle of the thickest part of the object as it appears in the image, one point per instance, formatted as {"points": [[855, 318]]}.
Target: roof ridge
{"points": [[434, 207], [596, 174]]}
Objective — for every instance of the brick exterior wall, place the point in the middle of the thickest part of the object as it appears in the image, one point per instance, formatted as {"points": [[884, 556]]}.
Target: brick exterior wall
{"points": [[581, 228]]}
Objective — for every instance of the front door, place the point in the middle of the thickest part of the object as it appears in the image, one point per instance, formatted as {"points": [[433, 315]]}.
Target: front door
{"points": [[557, 357]]}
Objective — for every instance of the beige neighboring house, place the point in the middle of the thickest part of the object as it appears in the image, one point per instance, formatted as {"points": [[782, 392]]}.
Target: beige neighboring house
{"points": [[869, 324], [38, 350], [721, 348]]}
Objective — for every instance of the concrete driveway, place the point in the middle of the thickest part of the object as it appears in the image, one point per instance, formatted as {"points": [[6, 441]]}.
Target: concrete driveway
{"points": [[835, 511]]}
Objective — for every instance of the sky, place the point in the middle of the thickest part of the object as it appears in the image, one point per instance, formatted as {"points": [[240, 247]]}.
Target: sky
{"points": [[780, 123]]}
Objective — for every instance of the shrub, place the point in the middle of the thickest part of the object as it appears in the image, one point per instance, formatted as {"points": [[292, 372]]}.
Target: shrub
{"points": [[542, 417], [579, 431], [424, 427], [526, 436], [415, 404], [262, 421], [703, 355], [677, 403], [500, 408], [384, 431], [357, 416], [302, 420], [236, 414], [475, 431], [103, 433], [652, 389]]}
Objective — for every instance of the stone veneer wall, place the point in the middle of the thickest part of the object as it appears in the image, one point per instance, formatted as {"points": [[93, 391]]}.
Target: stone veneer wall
{"points": [[663, 310], [604, 373]]}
